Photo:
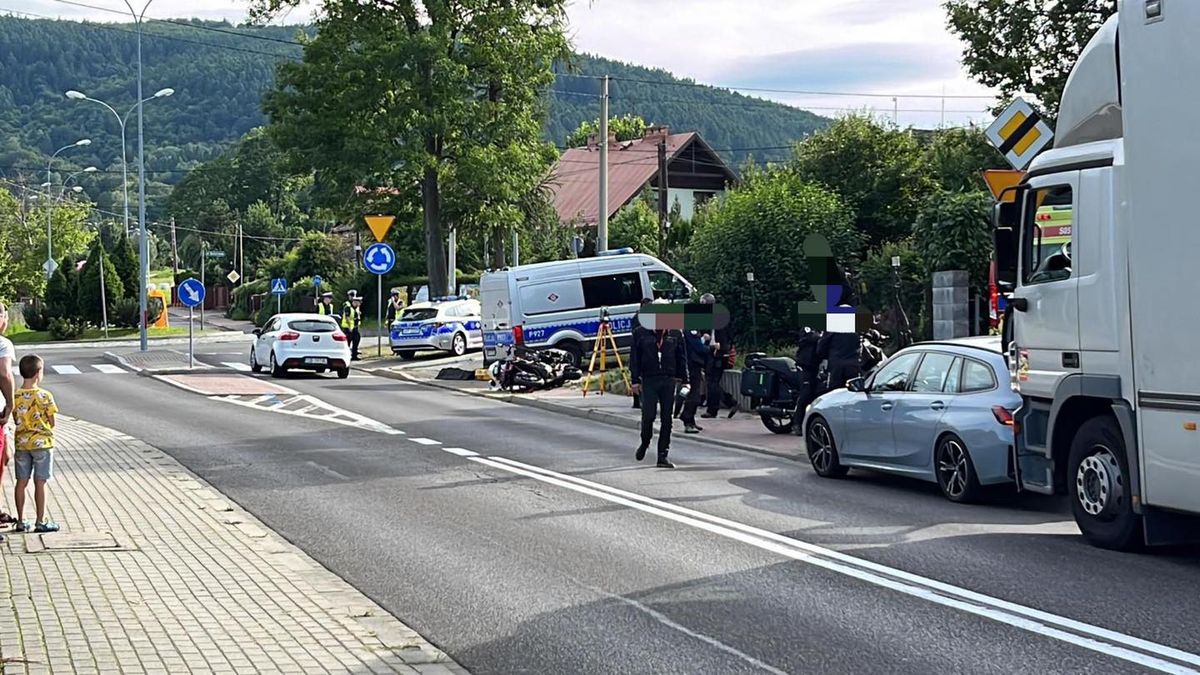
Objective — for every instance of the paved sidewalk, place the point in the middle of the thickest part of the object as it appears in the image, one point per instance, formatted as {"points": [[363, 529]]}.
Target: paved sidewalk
{"points": [[155, 571]]}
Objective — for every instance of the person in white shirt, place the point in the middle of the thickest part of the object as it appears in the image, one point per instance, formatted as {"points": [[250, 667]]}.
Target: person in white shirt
{"points": [[8, 356]]}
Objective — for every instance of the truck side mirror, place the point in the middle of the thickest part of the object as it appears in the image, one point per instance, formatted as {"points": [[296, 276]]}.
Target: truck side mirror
{"points": [[1006, 248]]}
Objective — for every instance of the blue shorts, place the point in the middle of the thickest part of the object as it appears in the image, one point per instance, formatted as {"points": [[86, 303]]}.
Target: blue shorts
{"points": [[35, 464]]}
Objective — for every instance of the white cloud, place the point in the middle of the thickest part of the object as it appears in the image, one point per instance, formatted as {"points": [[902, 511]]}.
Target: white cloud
{"points": [[899, 48]]}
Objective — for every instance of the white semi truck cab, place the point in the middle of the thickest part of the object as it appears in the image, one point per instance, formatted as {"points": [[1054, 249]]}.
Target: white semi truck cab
{"points": [[1105, 321]]}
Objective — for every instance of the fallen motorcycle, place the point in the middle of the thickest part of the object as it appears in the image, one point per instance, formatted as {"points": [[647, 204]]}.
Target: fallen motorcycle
{"points": [[525, 369]]}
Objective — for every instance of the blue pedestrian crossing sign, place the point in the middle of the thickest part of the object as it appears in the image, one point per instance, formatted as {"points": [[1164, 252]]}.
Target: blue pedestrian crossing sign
{"points": [[279, 287], [379, 258], [191, 292]]}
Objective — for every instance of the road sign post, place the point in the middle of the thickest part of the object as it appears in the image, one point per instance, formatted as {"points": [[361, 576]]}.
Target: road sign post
{"points": [[379, 259], [279, 288], [191, 293]]}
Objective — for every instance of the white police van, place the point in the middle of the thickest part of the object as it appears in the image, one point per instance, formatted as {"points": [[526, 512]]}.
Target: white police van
{"points": [[558, 304], [450, 324]]}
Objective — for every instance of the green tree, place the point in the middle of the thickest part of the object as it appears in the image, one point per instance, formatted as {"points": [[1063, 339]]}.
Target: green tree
{"points": [[62, 291], [635, 226], [876, 169], [317, 254], [124, 258], [88, 292], [953, 232], [1026, 46], [957, 158], [900, 305], [436, 94], [760, 227], [263, 235], [626, 127]]}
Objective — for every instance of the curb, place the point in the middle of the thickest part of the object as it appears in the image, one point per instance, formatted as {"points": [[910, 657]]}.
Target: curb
{"points": [[223, 336], [119, 360], [596, 416]]}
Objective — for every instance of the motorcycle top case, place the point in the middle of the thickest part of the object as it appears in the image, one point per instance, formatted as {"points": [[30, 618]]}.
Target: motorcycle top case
{"points": [[758, 383]]}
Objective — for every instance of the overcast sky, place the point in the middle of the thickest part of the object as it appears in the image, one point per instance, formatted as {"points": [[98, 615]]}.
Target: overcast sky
{"points": [[894, 48]]}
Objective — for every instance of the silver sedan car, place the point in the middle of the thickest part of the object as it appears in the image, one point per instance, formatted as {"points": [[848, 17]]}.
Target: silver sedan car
{"points": [[938, 411]]}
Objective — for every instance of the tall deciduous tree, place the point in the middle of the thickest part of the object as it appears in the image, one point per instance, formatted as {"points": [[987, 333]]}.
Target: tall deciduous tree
{"points": [[876, 169], [440, 96], [1026, 46]]}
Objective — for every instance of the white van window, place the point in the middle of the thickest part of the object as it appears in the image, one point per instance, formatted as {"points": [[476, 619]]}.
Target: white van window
{"points": [[612, 290], [553, 296], [667, 286]]}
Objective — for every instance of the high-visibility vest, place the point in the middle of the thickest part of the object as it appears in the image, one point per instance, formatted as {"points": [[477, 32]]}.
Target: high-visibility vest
{"points": [[324, 309], [351, 317]]}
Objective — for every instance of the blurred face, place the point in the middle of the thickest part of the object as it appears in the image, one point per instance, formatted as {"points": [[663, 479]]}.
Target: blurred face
{"points": [[3, 318]]}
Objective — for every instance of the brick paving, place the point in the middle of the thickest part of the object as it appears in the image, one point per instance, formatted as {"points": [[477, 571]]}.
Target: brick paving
{"points": [[156, 572], [157, 359]]}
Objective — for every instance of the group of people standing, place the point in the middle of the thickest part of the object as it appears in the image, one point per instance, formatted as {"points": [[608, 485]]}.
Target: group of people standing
{"points": [[352, 317], [664, 363]]}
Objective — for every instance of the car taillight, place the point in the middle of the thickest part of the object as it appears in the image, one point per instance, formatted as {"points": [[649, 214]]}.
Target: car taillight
{"points": [[339, 337], [289, 337], [1003, 415], [518, 335]]}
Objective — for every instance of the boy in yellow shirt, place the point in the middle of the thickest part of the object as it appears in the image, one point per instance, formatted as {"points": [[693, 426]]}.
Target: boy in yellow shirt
{"points": [[34, 411]]}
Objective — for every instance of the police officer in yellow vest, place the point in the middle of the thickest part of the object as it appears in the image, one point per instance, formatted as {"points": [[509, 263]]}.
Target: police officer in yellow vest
{"points": [[352, 316], [325, 305]]}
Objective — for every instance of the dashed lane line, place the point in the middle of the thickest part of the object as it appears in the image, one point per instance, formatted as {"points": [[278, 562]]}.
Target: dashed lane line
{"points": [[425, 441], [461, 452]]}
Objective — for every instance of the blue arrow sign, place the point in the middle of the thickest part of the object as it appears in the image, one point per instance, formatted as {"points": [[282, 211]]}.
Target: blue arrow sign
{"points": [[279, 287], [379, 258], [191, 292], [317, 280]]}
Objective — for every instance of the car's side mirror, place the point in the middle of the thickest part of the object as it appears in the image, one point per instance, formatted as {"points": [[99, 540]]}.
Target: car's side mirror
{"points": [[858, 384], [257, 331]]}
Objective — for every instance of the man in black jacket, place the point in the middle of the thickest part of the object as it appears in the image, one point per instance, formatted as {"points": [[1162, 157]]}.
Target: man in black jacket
{"points": [[657, 361], [719, 343], [637, 398]]}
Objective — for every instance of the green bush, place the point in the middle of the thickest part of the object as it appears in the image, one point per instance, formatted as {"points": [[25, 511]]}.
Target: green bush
{"points": [[125, 312], [62, 291], [36, 318], [879, 292], [953, 232], [760, 227], [66, 329], [89, 287]]}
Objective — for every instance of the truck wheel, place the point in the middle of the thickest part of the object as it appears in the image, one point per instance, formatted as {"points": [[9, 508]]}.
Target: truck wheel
{"points": [[1099, 487]]}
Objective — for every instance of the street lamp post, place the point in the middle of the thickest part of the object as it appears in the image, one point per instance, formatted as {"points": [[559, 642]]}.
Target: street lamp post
{"points": [[144, 249], [50, 205], [122, 120]]}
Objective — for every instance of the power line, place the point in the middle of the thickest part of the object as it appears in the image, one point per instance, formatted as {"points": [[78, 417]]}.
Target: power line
{"points": [[802, 92], [186, 24]]}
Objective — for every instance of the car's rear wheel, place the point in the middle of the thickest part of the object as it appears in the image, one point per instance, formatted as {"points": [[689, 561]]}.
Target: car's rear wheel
{"points": [[822, 451], [406, 354], [1099, 487], [343, 373], [955, 471], [458, 345], [254, 366], [276, 369]]}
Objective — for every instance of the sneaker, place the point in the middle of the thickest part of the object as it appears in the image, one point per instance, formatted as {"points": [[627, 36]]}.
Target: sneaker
{"points": [[709, 416], [665, 464], [48, 526], [641, 452], [691, 429], [22, 526]]}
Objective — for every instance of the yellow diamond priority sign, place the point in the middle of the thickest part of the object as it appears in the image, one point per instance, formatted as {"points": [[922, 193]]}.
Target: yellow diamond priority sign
{"points": [[1019, 133], [379, 225]]}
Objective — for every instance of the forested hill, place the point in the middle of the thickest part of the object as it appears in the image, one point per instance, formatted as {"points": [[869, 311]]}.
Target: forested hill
{"points": [[219, 73]]}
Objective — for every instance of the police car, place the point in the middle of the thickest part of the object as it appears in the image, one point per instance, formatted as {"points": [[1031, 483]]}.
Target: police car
{"points": [[451, 325]]}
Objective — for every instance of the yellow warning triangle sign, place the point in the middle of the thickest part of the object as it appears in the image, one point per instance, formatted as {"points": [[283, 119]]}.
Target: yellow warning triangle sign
{"points": [[379, 225]]}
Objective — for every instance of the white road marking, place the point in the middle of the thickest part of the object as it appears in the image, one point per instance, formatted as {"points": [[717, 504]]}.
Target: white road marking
{"points": [[66, 370], [425, 441], [315, 409], [461, 452], [237, 365], [1111, 643], [109, 369]]}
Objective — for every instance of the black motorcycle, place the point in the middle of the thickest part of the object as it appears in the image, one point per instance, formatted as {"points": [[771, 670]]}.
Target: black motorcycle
{"points": [[533, 369], [778, 389]]}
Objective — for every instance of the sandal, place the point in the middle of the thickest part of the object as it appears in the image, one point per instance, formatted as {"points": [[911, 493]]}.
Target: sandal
{"points": [[48, 526], [6, 518], [22, 526]]}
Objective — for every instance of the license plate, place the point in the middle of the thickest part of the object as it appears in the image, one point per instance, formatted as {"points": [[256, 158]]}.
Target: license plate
{"points": [[315, 360], [410, 331]]}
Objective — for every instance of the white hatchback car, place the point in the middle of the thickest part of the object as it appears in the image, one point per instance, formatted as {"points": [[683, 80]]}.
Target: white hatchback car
{"points": [[300, 342]]}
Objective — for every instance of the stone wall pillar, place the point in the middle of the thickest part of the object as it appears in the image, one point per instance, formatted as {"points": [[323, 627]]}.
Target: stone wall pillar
{"points": [[951, 309]]}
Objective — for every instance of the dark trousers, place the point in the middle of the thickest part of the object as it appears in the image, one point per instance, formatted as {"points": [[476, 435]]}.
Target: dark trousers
{"points": [[658, 397], [713, 376], [695, 373], [354, 336], [841, 372]]}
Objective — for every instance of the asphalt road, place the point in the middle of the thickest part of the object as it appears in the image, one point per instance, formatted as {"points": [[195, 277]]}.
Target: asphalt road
{"points": [[554, 552]]}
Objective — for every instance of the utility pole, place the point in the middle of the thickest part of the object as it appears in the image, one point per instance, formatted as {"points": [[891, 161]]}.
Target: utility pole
{"points": [[451, 275], [663, 211], [174, 248], [242, 255], [602, 215], [895, 111], [516, 247], [203, 264]]}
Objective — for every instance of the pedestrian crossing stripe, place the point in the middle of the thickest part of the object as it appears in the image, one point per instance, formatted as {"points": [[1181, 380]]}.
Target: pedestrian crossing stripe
{"points": [[66, 370], [108, 368], [85, 369], [236, 365], [1019, 133]]}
